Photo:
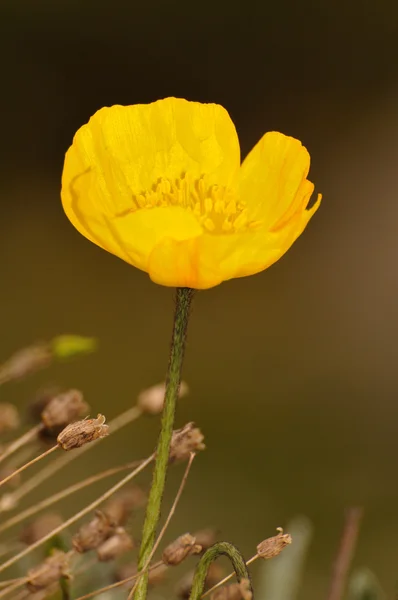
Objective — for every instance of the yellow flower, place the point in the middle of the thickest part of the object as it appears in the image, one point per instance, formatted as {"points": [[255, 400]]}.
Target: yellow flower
{"points": [[161, 186]]}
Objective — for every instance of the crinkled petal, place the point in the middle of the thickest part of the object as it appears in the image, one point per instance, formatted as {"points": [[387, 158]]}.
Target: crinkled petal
{"points": [[273, 179], [128, 148]]}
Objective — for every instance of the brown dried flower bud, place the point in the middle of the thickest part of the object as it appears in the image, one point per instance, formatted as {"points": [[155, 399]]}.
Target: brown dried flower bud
{"points": [[115, 546], [9, 417], [184, 441], [26, 361], [91, 535], [122, 504], [274, 545], [64, 409], [182, 547], [80, 433], [48, 572], [39, 528], [234, 591], [214, 574], [151, 400]]}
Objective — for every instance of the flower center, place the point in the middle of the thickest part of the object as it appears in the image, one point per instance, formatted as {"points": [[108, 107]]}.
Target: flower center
{"points": [[217, 208]]}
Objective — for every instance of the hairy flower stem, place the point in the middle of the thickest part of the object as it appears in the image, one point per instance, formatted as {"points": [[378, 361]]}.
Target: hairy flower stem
{"points": [[181, 317], [219, 549]]}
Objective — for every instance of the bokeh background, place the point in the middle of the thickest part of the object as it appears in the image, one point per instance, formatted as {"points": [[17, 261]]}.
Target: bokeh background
{"points": [[293, 372]]}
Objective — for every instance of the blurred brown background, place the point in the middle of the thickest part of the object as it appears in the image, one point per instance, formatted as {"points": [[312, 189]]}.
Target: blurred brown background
{"points": [[294, 371]]}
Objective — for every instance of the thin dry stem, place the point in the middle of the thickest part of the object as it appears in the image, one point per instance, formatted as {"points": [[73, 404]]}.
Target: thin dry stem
{"points": [[35, 508], [166, 524], [10, 581], [120, 421], [78, 515], [28, 464], [18, 583], [26, 438], [228, 577], [118, 583], [345, 553]]}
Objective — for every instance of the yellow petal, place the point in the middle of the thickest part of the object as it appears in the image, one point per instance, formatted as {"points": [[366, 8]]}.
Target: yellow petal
{"points": [[273, 178], [142, 230], [124, 150], [177, 264], [207, 260], [130, 147]]}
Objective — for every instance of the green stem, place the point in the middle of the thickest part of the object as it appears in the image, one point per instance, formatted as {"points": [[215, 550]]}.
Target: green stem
{"points": [[181, 316], [219, 549]]}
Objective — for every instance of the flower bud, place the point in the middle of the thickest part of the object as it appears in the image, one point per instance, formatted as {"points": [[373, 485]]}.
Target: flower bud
{"points": [[67, 346], [184, 441], [274, 545], [234, 591], [182, 547], [48, 572], [91, 535], [115, 546], [80, 433], [64, 409], [151, 400]]}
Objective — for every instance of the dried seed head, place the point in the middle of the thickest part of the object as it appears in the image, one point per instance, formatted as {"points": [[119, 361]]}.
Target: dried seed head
{"points": [[151, 400], [40, 527], [206, 538], [115, 546], [48, 572], [234, 591], [214, 574], [9, 417], [26, 361], [91, 535], [274, 545], [184, 441], [122, 504], [64, 409], [182, 547], [80, 433]]}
